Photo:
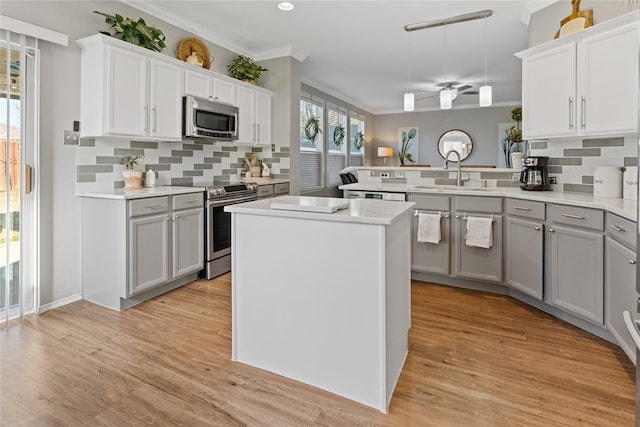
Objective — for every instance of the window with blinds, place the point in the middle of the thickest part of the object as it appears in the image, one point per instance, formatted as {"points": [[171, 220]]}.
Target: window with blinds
{"points": [[356, 132], [310, 149], [337, 145]]}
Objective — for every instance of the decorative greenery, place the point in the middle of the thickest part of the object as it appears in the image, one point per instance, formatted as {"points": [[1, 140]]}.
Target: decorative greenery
{"points": [[358, 140], [403, 153], [514, 133], [338, 135], [134, 32], [312, 128], [130, 161], [243, 68]]}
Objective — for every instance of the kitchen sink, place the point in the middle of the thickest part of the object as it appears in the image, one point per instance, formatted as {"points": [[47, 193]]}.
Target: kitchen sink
{"points": [[448, 188]]}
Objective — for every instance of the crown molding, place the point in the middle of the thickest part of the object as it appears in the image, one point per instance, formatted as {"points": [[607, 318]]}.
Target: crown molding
{"points": [[291, 51], [532, 6]]}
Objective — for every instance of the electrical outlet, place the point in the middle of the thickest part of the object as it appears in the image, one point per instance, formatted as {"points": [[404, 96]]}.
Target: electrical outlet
{"points": [[384, 174], [398, 174], [552, 180], [71, 137]]}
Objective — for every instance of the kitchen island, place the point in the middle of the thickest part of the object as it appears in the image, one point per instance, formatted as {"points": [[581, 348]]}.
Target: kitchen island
{"points": [[323, 298]]}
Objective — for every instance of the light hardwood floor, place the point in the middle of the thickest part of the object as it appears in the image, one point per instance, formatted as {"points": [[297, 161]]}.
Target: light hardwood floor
{"points": [[475, 359]]}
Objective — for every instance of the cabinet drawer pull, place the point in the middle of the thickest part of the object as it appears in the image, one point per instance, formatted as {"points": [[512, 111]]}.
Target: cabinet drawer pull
{"points": [[570, 113], [551, 230], [632, 262], [572, 216], [154, 206], [520, 208], [617, 228]]}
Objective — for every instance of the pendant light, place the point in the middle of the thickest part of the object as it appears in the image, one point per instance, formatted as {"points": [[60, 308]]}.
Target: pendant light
{"points": [[445, 94], [409, 97], [485, 91]]}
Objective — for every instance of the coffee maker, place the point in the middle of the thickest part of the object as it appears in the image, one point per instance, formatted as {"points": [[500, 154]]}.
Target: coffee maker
{"points": [[535, 174]]}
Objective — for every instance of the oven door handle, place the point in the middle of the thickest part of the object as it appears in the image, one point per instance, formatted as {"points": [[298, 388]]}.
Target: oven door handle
{"points": [[216, 203], [632, 327]]}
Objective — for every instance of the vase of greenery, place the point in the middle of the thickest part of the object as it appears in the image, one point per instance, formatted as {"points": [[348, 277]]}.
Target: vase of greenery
{"points": [[132, 177], [134, 32], [403, 153], [514, 139], [243, 68]]}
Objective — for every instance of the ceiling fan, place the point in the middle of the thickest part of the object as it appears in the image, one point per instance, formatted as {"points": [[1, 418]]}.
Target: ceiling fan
{"points": [[455, 87]]}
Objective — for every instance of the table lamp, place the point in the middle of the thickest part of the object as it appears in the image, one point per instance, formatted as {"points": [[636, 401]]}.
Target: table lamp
{"points": [[385, 152]]}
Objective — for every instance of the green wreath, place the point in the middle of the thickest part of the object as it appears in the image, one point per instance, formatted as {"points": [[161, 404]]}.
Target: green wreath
{"points": [[338, 135], [358, 140], [312, 128]]}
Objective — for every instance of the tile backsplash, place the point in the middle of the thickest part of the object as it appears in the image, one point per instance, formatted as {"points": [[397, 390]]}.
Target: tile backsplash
{"points": [[573, 161], [187, 163]]}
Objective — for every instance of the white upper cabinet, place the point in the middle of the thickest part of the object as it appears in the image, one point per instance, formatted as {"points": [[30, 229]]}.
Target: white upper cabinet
{"points": [[126, 92], [585, 84], [203, 85], [255, 116]]}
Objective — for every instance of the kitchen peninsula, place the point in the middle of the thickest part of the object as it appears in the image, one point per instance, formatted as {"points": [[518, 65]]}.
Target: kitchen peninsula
{"points": [[323, 298]]}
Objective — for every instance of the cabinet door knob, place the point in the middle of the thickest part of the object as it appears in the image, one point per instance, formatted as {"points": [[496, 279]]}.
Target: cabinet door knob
{"points": [[536, 228], [167, 218], [175, 216], [551, 230], [632, 262]]}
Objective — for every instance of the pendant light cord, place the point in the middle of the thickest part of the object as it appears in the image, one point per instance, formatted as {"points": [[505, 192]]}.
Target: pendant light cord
{"points": [[485, 50], [445, 56]]}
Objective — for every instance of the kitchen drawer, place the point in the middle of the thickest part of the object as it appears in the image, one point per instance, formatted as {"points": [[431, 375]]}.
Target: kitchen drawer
{"points": [[281, 188], [478, 204], [431, 203], [265, 190], [148, 206], [592, 219], [186, 201], [525, 209], [621, 229]]}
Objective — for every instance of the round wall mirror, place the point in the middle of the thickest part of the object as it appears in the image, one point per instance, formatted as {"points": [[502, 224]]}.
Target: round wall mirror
{"points": [[455, 140]]}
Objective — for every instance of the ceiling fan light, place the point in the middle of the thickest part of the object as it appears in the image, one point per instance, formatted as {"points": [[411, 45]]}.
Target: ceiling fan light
{"points": [[485, 96], [409, 101], [445, 99]]}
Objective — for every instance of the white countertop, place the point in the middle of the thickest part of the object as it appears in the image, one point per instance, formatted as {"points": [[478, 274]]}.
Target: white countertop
{"points": [[121, 194], [362, 211], [624, 207]]}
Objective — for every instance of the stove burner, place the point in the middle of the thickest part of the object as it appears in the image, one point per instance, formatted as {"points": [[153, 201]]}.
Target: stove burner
{"points": [[234, 190]]}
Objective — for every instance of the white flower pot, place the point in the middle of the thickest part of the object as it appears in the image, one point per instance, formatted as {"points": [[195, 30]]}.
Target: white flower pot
{"points": [[132, 179], [516, 160]]}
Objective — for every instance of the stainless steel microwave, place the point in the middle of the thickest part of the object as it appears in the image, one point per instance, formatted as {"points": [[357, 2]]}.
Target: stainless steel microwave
{"points": [[204, 119]]}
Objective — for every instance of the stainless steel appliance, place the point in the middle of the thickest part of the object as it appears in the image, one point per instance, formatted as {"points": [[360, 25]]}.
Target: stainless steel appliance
{"points": [[218, 224], [535, 174], [204, 119], [377, 195]]}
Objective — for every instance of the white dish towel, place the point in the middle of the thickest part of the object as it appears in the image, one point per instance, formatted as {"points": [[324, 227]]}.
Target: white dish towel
{"points": [[480, 232], [429, 228]]}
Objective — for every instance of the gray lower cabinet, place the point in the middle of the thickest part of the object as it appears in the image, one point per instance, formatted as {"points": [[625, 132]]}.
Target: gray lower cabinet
{"points": [[574, 258], [271, 190], [432, 257], [135, 249], [620, 279], [474, 262], [524, 246]]}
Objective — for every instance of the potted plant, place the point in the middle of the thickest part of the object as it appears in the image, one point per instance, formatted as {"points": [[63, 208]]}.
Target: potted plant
{"points": [[132, 177], [243, 68], [514, 139], [134, 32]]}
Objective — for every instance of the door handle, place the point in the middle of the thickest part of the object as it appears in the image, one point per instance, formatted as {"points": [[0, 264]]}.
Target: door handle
{"points": [[155, 118], [146, 117], [27, 179], [570, 113], [632, 327], [583, 108]]}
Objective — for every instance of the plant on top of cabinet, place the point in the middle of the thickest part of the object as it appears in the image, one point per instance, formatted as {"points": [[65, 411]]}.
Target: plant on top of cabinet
{"points": [[243, 68], [403, 153], [134, 32], [132, 177]]}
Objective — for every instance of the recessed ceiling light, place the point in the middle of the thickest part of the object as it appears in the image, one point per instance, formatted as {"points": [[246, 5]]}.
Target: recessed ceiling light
{"points": [[286, 6]]}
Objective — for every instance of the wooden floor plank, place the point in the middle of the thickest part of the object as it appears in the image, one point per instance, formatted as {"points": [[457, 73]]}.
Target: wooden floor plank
{"points": [[474, 359]]}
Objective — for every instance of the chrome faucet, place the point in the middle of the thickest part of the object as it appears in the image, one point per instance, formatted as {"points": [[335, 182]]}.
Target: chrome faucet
{"points": [[446, 165]]}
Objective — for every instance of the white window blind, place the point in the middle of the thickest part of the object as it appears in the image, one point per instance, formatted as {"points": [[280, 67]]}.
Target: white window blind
{"points": [[337, 151], [356, 127], [311, 165]]}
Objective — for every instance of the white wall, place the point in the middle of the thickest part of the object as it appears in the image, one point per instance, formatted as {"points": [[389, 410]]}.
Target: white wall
{"points": [[60, 106]]}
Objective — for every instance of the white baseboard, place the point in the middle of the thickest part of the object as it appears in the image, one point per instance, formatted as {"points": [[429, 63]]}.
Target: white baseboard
{"points": [[60, 303]]}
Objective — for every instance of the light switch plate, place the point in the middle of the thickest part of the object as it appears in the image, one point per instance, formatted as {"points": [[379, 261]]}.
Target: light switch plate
{"points": [[71, 137]]}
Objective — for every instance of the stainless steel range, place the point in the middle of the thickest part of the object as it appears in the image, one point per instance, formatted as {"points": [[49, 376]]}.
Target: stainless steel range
{"points": [[218, 224]]}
